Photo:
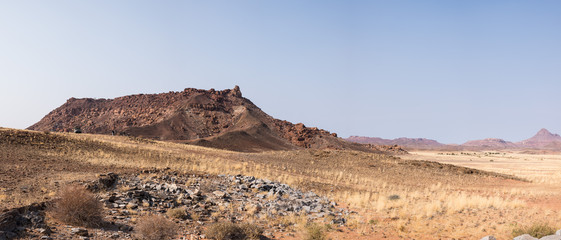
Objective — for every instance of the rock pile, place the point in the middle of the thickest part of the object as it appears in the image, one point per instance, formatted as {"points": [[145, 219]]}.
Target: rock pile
{"points": [[202, 199], [15, 221], [204, 195]]}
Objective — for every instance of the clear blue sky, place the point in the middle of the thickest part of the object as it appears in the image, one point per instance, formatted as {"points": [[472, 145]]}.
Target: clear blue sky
{"points": [[447, 70]]}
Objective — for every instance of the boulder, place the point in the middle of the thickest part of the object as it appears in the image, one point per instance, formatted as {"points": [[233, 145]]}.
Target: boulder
{"points": [[525, 237], [104, 182], [8, 220], [551, 237]]}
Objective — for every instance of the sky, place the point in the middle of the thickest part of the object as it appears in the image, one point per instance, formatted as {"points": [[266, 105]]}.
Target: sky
{"points": [[447, 70]]}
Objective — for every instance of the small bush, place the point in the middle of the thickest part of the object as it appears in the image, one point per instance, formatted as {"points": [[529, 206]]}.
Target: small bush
{"points": [[394, 197], [538, 230], [177, 213], [232, 231], [252, 231], [155, 227], [314, 231], [78, 206]]}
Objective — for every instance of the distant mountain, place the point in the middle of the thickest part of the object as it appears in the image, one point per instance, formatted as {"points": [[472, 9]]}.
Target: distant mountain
{"points": [[542, 140], [411, 143], [490, 143]]}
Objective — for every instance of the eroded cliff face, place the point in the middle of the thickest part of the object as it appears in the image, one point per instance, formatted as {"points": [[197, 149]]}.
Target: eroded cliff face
{"points": [[206, 117]]}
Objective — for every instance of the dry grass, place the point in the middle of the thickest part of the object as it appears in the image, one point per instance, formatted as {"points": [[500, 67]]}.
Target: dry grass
{"points": [[78, 206], [314, 231], [434, 199], [155, 227], [177, 213], [233, 231], [537, 230]]}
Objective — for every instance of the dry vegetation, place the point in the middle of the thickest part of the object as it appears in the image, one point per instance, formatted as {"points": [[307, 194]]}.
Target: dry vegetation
{"points": [[395, 198], [78, 206], [537, 230], [231, 231], [155, 227]]}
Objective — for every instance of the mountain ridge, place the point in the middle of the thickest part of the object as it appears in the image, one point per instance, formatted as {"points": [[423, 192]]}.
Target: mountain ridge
{"points": [[543, 139]]}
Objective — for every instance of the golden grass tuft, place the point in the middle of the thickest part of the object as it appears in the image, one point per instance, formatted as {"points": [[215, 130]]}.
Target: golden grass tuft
{"points": [[155, 227], [314, 231], [233, 231], [177, 213], [537, 230], [77, 206]]}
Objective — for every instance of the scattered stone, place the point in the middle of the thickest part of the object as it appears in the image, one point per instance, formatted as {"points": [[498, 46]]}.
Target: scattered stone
{"points": [[132, 205], [79, 231], [558, 232], [219, 194], [488, 238], [44, 230]]}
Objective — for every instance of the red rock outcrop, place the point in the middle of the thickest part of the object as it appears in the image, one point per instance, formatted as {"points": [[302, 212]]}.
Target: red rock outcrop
{"points": [[222, 119]]}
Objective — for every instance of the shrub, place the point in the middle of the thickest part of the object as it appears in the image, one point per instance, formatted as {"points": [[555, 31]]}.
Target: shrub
{"points": [[538, 230], [178, 213], [78, 206], [314, 231], [394, 197], [155, 227], [252, 231], [233, 231]]}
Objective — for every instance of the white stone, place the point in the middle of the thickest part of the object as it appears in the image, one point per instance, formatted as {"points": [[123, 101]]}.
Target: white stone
{"points": [[525, 237], [551, 237]]}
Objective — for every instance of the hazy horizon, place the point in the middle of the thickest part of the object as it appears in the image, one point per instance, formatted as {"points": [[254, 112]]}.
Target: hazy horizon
{"points": [[448, 71]]}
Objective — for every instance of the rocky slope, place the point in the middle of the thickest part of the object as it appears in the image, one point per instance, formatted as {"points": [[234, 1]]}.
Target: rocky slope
{"points": [[222, 119]]}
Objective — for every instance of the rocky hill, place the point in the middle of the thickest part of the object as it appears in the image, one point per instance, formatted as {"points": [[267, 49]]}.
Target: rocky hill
{"points": [[222, 119]]}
